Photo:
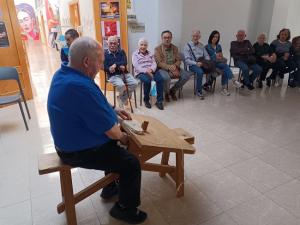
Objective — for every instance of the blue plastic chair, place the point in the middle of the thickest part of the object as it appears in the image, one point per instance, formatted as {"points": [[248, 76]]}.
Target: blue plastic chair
{"points": [[10, 73]]}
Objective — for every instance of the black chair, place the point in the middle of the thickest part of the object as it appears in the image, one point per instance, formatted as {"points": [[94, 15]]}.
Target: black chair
{"points": [[233, 66], [10, 73], [114, 91]]}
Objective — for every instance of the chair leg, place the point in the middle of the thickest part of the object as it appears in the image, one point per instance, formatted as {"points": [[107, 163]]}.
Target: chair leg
{"points": [[114, 96], [23, 115], [25, 103], [195, 83], [134, 94], [27, 109], [240, 75], [141, 94]]}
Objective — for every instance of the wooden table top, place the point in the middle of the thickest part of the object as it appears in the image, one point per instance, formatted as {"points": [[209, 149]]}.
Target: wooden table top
{"points": [[160, 137]]}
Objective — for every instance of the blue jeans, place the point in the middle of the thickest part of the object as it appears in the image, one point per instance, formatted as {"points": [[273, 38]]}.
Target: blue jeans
{"points": [[199, 72], [245, 71], [146, 79], [227, 73]]}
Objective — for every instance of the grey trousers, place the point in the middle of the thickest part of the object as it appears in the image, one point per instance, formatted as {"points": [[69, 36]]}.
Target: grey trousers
{"points": [[118, 82], [184, 77]]}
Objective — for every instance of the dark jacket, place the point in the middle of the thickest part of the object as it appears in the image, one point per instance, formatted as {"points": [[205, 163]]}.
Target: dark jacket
{"points": [[241, 50], [119, 58]]}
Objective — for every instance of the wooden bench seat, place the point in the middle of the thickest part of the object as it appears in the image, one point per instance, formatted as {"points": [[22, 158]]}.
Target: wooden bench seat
{"points": [[49, 163]]}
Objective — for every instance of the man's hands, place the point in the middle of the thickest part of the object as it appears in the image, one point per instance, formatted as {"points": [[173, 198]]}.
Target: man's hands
{"points": [[199, 64], [112, 68], [149, 72], [123, 114], [286, 56], [124, 139], [122, 68]]}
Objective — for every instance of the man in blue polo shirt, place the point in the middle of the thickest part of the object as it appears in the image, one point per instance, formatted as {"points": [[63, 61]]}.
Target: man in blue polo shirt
{"points": [[84, 126]]}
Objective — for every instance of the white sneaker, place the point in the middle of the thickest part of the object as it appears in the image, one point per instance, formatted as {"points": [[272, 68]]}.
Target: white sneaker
{"points": [[237, 84], [225, 92], [200, 95]]}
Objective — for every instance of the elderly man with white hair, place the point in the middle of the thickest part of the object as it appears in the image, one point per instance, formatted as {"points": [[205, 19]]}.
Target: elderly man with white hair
{"points": [[85, 130], [242, 52], [115, 65], [192, 52], [145, 68]]}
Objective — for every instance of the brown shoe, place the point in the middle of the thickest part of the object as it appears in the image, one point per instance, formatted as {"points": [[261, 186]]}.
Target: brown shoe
{"points": [[167, 97], [173, 95]]}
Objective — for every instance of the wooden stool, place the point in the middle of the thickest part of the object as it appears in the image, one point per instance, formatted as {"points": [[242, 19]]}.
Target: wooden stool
{"points": [[49, 163]]}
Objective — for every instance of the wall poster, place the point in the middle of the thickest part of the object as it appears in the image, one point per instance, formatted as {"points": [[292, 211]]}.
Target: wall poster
{"points": [[4, 43], [28, 22], [110, 10]]}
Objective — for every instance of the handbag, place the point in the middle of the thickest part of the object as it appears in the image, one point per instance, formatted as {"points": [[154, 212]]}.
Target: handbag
{"points": [[208, 66], [153, 91]]}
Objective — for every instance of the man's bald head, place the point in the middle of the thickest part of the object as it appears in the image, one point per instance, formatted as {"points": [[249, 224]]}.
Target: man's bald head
{"points": [[86, 55]]}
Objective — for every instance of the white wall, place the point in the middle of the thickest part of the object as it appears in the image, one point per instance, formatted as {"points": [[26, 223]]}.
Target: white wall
{"points": [[150, 18], [263, 20], [86, 11], [293, 18], [64, 15], [279, 18], [226, 16], [170, 18]]}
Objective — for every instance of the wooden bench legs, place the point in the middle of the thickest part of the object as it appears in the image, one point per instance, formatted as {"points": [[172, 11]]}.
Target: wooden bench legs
{"points": [[67, 196], [69, 200]]}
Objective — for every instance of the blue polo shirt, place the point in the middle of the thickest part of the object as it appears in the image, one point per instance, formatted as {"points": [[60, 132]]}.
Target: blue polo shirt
{"points": [[79, 113]]}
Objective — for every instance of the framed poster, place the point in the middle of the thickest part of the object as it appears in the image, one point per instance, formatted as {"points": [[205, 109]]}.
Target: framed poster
{"points": [[4, 43], [110, 9], [110, 28]]}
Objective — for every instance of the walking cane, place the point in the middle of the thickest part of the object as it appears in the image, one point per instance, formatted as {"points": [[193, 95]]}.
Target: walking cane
{"points": [[127, 91]]}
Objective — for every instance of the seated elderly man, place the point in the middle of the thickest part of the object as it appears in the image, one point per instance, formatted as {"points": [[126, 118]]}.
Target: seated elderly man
{"points": [[192, 52], [85, 130], [243, 55], [70, 36], [145, 69], [168, 61], [115, 63]]}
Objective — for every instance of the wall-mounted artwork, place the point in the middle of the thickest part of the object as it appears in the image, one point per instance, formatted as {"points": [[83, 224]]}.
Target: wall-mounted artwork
{"points": [[110, 9], [28, 22], [110, 28], [4, 43]]}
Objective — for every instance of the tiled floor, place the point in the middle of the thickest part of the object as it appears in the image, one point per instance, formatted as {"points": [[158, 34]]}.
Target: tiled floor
{"points": [[246, 170]]}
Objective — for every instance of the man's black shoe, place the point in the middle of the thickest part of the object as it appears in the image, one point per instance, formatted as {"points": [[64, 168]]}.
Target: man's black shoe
{"points": [[268, 81], [173, 95], [260, 84], [167, 97], [109, 191], [147, 104], [132, 216], [250, 87], [159, 105]]}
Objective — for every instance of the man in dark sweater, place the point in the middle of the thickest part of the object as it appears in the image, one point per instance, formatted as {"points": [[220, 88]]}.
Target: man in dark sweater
{"points": [[70, 36], [265, 57], [243, 55], [115, 65]]}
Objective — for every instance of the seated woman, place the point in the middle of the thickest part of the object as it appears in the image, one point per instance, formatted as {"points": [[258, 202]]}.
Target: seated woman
{"points": [[265, 57], [214, 50], [145, 69], [296, 58], [284, 62]]}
